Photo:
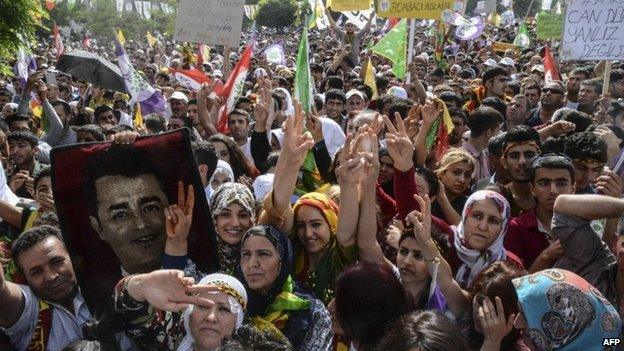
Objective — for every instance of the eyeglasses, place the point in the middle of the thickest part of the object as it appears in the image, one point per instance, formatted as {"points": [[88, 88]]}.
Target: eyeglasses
{"points": [[552, 91]]}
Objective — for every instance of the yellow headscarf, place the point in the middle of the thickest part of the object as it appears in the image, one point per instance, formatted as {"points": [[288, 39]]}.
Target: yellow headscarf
{"points": [[323, 203]]}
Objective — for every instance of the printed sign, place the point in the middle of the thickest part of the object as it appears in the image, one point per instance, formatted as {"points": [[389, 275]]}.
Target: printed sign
{"points": [[549, 25], [593, 30], [349, 5], [427, 9], [213, 22], [502, 47]]}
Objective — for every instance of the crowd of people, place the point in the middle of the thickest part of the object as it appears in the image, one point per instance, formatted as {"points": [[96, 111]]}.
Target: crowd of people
{"points": [[360, 225]]}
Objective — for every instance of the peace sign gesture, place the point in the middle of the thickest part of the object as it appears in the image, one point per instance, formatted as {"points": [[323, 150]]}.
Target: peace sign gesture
{"points": [[421, 220], [399, 144], [296, 143], [178, 221]]}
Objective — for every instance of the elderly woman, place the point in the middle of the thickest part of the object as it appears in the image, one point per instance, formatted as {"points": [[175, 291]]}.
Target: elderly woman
{"points": [[277, 302], [149, 305]]}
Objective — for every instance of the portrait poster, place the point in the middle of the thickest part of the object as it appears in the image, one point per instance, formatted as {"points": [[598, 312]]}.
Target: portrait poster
{"points": [[110, 200]]}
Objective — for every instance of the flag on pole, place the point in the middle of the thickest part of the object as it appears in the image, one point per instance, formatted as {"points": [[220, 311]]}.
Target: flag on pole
{"points": [[151, 41], [318, 18], [437, 139], [58, 43], [369, 78], [141, 92], [550, 68], [25, 65], [192, 79], [523, 40], [303, 79], [233, 88], [393, 46], [120, 37], [439, 44]]}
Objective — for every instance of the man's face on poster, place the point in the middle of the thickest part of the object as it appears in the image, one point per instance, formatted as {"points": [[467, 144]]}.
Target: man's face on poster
{"points": [[131, 219]]}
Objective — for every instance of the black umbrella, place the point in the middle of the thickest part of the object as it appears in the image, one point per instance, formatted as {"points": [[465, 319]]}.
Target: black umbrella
{"points": [[92, 68]]}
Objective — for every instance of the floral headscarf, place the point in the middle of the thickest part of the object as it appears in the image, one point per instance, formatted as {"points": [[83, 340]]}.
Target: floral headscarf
{"points": [[564, 312], [224, 196], [475, 261], [323, 203], [237, 297]]}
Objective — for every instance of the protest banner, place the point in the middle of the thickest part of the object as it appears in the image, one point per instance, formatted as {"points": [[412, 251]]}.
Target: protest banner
{"points": [[214, 22], [349, 5], [97, 186], [549, 25], [485, 6], [428, 9], [275, 54], [502, 47], [593, 30]]}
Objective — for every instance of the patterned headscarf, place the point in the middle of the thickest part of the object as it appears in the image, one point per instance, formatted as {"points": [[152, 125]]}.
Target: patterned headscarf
{"points": [[224, 196], [323, 203], [237, 297], [475, 261], [564, 312]]}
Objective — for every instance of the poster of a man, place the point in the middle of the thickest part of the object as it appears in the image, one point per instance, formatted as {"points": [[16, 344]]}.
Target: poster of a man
{"points": [[117, 195]]}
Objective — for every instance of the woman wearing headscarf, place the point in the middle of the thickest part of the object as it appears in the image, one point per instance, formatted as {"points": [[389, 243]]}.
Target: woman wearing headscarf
{"points": [[479, 237], [561, 311], [222, 174], [163, 310], [233, 210], [323, 244], [276, 301]]}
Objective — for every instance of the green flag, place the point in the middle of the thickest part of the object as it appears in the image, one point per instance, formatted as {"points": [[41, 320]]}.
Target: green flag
{"points": [[523, 39], [303, 78], [393, 46]]}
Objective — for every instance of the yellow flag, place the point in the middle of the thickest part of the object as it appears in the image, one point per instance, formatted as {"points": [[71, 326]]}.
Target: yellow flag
{"points": [[138, 116], [369, 78], [120, 36], [328, 4], [150, 39]]}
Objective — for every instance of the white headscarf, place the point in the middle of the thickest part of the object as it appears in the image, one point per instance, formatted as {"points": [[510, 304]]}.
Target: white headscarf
{"points": [[475, 261], [290, 109], [237, 296], [222, 167]]}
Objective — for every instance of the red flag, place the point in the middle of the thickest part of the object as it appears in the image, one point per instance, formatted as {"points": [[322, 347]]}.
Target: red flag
{"points": [[58, 43], [550, 67], [234, 87], [192, 78], [390, 23]]}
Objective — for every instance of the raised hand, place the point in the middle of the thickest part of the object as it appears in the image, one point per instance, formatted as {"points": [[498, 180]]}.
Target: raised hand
{"points": [[18, 180], [315, 127], [421, 220], [412, 125], [126, 137], [178, 221], [351, 164], [263, 109], [46, 202], [296, 143], [399, 144], [430, 111], [165, 290], [609, 184]]}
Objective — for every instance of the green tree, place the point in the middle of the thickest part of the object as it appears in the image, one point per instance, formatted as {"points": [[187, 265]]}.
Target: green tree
{"points": [[276, 13], [19, 19]]}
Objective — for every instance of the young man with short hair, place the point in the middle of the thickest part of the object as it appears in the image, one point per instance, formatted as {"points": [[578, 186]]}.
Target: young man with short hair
{"points": [[494, 84], [589, 93], [589, 155], [529, 235], [573, 85], [22, 150], [484, 123], [521, 145]]}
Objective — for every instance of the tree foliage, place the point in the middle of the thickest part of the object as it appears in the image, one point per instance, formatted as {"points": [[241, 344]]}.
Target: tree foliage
{"points": [[276, 13], [19, 19]]}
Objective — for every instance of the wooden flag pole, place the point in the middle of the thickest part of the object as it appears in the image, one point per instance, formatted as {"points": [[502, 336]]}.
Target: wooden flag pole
{"points": [[607, 78], [410, 49]]}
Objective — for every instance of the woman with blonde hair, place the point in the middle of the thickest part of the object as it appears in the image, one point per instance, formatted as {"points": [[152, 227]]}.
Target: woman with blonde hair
{"points": [[454, 173]]}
